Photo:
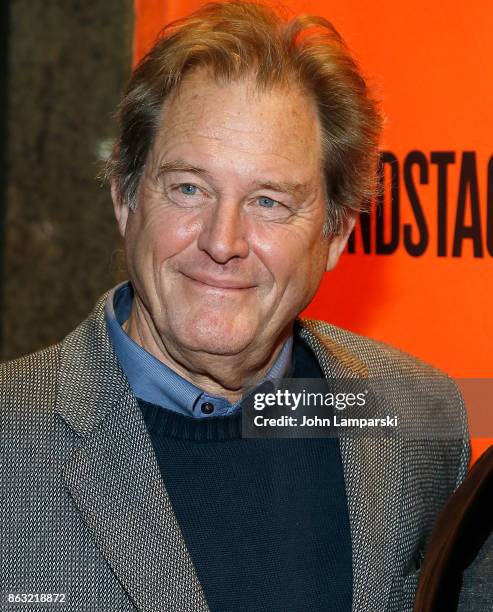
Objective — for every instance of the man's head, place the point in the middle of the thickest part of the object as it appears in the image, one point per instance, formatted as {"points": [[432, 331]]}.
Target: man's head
{"points": [[240, 38], [244, 144]]}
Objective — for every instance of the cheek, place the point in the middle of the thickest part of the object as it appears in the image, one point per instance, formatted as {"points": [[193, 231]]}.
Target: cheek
{"points": [[162, 236], [294, 259]]}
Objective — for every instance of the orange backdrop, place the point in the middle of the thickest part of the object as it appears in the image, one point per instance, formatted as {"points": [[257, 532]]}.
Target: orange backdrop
{"points": [[420, 274]]}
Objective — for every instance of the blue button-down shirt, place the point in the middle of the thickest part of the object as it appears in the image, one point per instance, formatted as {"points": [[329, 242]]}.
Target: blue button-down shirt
{"points": [[154, 382]]}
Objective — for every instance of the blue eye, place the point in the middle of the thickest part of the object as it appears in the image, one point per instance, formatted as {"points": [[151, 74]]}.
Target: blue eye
{"points": [[187, 189], [266, 202]]}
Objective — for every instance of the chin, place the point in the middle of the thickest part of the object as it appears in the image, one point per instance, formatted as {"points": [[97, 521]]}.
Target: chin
{"points": [[215, 339]]}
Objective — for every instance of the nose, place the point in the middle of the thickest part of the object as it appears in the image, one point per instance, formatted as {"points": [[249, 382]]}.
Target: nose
{"points": [[222, 236]]}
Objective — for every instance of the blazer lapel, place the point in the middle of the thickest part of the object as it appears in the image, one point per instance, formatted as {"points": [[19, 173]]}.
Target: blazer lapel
{"points": [[373, 476], [114, 478]]}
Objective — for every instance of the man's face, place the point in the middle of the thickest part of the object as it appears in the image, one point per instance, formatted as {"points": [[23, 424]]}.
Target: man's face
{"points": [[225, 247]]}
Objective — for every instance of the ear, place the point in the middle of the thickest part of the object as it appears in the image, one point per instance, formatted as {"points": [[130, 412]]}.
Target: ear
{"points": [[120, 208], [338, 243]]}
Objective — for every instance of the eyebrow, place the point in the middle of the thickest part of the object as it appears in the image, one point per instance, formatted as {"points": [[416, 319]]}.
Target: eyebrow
{"points": [[179, 165]]}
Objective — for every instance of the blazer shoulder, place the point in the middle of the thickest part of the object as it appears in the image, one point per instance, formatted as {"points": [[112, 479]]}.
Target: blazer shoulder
{"points": [[381, 359], [29, 382], [422, 395]]}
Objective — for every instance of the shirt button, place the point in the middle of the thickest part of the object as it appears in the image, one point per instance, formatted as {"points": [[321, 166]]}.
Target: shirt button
{"points": [[207, 408]]}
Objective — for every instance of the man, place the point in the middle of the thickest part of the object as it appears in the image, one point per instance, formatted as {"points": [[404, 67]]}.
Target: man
{"points": [[246, 148]]}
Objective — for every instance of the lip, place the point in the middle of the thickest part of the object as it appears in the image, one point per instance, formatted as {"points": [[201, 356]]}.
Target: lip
{"points": [[219, 283]]}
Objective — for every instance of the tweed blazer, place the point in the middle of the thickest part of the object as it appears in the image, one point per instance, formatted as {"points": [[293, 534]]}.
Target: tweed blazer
{"points": [[85, 513]]}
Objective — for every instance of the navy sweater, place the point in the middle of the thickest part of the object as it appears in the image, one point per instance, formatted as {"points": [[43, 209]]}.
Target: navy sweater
{"points": [[265, 520]]}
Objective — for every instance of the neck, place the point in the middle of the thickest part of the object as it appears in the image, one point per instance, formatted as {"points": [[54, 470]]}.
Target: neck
{"points": [[222, 375]]}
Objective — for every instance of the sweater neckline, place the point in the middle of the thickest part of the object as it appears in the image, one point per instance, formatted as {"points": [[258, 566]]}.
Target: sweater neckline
{"points": [[161, 421]]}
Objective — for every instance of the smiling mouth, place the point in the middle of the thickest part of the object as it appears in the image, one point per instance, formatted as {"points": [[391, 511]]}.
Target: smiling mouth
{"points": [[216, 283]]}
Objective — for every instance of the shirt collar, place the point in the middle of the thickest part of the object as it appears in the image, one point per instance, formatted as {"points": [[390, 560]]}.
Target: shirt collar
{"points": [[154, 382]]}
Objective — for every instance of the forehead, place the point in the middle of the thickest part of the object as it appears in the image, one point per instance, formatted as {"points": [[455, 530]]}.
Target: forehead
{"points": [[277, 127]]}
